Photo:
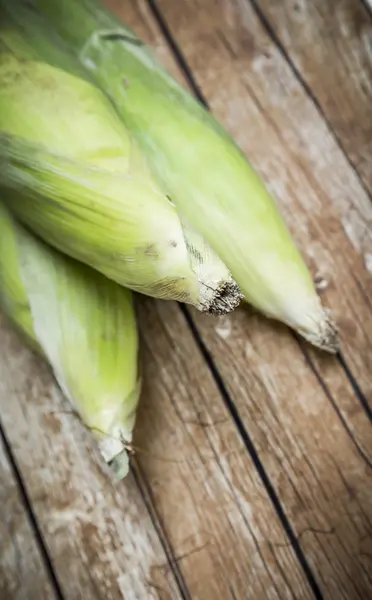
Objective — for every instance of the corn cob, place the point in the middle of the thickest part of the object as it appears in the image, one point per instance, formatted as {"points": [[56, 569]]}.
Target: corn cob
{"points": [[84, 325], [197, 163], [72, 173]]}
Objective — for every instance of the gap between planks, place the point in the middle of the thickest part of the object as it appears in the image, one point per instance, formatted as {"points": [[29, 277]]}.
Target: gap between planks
{"points": [[24, 570], [271, 32], [251, 449], [38, 536], [159, 528]]}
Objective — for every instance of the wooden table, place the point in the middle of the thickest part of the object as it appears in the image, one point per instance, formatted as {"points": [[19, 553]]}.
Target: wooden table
{"points": [[253, 476]]}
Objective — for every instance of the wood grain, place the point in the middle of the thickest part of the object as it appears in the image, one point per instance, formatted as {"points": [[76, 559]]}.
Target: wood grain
{"points": [[301, 412], [23, 575], [330, 44], [317, 470], [99, 536], [223, 530]]}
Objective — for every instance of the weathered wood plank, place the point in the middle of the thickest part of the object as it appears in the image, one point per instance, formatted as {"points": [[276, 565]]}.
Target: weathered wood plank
{"points": [[205, 489], [314, 462], [100, 539], [23, 574], [330, 44], [211, 502], [322, 480]]}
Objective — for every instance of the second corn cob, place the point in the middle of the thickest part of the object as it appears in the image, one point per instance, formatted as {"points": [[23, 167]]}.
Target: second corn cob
{"points": [[85, 327]]}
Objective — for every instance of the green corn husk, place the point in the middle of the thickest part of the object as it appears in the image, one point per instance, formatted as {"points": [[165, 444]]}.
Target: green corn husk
{"points": [[72, 173], [84, 325], [198, 164]]}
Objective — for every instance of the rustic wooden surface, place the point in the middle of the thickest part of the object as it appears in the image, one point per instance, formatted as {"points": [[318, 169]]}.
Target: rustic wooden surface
{"points": [[253, 474]]}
